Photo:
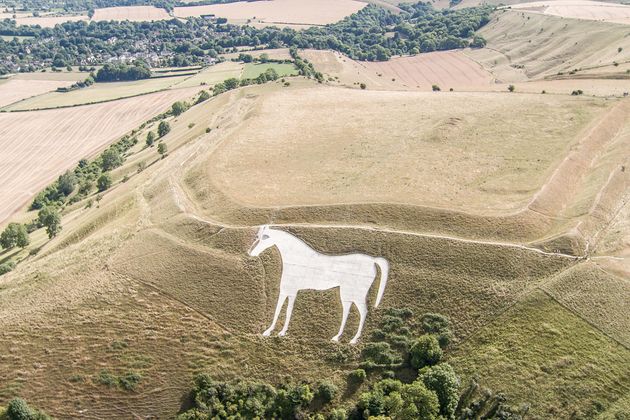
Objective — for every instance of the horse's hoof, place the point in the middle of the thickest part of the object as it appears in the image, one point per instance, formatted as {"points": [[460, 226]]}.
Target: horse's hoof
{"points": [[354, 341], [282, 333], [335, 339], [266, 333]]}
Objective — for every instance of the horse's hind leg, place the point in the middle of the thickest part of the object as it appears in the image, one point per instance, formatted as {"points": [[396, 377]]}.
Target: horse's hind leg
{"points": [[279, 305], [288, 317], [344, 317], [362, 307]]}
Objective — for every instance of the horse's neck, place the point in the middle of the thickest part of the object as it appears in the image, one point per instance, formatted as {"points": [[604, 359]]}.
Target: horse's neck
{"points": [[290, 246]]}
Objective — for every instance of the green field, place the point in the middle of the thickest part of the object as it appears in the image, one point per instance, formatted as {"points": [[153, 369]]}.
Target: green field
{"points": [[252, 70]]}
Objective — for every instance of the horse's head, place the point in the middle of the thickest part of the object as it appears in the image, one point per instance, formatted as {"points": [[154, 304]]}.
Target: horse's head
{"points": [[263, 241]]}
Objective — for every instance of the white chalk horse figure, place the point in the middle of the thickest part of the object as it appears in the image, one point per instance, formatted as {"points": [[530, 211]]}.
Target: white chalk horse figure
{"points": [[305, 268]]}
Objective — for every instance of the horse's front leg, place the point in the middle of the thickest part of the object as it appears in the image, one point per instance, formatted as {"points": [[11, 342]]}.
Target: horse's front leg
{"points": [[279, 305], [344, 317], [288, 317], [362, 307]]}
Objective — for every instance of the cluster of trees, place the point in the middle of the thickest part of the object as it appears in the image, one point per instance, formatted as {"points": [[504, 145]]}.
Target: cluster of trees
{"points": [[120, 72], [90, 5], [268, 75], [373, 33], [408, 379]]}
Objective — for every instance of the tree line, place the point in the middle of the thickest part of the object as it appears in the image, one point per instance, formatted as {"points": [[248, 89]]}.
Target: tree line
{"points": [[372, 34]]}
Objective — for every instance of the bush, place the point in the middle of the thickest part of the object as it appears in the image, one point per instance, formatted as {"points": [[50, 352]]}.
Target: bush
{"points": [[439, 325], [577, 92], [162, 149], [203, 96], [425, 351], [326, 391], [380, 353], [129, 381], [357, 376], [435, 88], [104, 182], [511, 88], [363, 86], [18, 409], [6, 267]]}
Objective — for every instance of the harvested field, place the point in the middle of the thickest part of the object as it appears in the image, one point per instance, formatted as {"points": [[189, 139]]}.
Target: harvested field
{"points": [[319, 157], [579, 9], [49, 21], [277, 12], [14, 90], [525, 46], [590, 87], [131, 13], [446, 69], [98, 92], [40, 145]]}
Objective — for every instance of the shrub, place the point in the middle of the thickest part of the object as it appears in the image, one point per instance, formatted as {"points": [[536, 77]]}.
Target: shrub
{"points": [[357, 376], [18, 409], [104, 182], [511, 88], [326, 391], [435, 88], [129, 381], [380, 353], [577, 92], [363, 86], [203, 96], [337, 414], [6, 267], [425, 351], [439, 325]]}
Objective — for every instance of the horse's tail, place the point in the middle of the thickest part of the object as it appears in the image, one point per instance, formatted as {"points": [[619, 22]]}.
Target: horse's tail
{"points": [[384, 266]]}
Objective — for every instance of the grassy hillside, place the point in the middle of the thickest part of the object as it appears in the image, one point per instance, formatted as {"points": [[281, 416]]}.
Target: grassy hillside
{"points": [[152, 282]]}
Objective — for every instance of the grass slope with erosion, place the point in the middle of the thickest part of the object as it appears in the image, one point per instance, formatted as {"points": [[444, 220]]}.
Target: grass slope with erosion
{"points": [[154, 282], [522, 45]]}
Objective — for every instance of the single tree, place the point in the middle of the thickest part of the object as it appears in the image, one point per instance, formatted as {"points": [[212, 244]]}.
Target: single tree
{"points": [[203, 96], [442, 380], [150, 138], [111, 159], [104, 182], [178, 108], [66, 183], [162, 149], [50, 218], [163, 128]]}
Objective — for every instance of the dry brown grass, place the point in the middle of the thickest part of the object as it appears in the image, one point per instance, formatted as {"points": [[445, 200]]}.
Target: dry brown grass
{"points": [[452, 150], [525, 45], [157, 280]]}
